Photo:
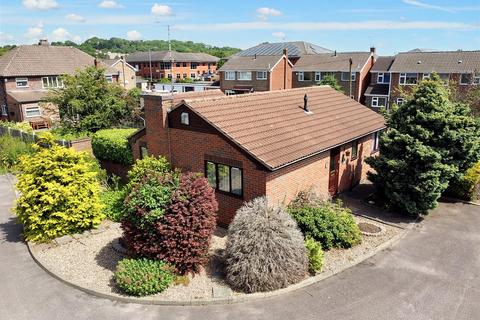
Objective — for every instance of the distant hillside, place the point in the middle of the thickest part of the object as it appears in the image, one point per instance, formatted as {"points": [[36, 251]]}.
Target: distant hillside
{"points": [[98, 47]]}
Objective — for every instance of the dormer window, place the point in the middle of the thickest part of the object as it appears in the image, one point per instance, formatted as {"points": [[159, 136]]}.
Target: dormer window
{"points": [[184, 119]]}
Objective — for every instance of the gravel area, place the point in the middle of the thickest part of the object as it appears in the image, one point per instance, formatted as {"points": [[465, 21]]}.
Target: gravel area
{"points": [[90, 262]]}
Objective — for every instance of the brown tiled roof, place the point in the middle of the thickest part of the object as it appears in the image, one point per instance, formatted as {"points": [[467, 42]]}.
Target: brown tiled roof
{"points": [[165, 56], [273, 128], [377, 89], [440, 62], [247, 63], [382, 64], [27, 95], [331, 62], [40, 60]]}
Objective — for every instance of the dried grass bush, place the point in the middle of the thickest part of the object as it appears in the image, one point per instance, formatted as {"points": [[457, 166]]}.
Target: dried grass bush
{"points": [[265, 249]]}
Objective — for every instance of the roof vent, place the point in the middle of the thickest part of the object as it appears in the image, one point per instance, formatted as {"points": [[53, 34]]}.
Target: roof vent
{"points": [[460, 61], [305, 105], [43, 42], [255, 57], [335, 53], [419, 62]]}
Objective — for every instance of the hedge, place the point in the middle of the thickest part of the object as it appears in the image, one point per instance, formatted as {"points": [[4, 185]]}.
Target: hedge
{"points": [[112, 145]]}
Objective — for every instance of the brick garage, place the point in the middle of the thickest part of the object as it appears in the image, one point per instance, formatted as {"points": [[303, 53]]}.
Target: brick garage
{"points": [[265, 143]]}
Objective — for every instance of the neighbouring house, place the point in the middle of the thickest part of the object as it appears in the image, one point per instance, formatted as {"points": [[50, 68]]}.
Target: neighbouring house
{"points": [[265, 67], [378, 91], [460, 69], [350, 69], [125, 72], [26, 74], [273, 143], [156, 65]]}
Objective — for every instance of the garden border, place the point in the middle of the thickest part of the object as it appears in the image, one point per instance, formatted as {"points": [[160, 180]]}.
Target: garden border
{"points": [[231, 299]]}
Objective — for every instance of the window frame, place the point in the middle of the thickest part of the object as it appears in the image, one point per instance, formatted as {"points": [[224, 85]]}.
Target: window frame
{"points": [[425, 76], [193, 65], [476, 79], [4, 111], [33, 107], [249, 78], [58, 81], [264, 75], [217, 180], [17, 80], [469, 81], [376, 142], [185, 118], [143, 152], [318, 76], [230, 73], [400, 101], [354, 147], [377, 102], [353, 75], [404, 75], [300, 76]]}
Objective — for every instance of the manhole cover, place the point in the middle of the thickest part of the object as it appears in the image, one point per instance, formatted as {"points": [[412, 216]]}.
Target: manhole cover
{"points": [[370, 229]]}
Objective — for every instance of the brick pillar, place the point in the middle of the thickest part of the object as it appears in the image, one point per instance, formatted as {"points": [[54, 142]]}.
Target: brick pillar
{"points": [[156, 123]]}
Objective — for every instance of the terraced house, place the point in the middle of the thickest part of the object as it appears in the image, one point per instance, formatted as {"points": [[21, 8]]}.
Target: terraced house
{"points": [[26, 74], [157, 64], [393, 77], [273, 143], [265, 67], [350, 69]]}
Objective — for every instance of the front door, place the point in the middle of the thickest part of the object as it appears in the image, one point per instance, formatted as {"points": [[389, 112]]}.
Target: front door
{"points": [[333, 171]]}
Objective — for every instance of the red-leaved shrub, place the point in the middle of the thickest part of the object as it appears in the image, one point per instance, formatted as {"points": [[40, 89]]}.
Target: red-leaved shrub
{"points": [[182, 234]]}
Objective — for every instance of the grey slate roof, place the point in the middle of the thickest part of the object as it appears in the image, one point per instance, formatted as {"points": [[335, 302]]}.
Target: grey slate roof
{"points": [[440, 62], [295, 49], [260, 63], [382, 64], [377, 90], [165, 56], [41, 60], [331, 62]]}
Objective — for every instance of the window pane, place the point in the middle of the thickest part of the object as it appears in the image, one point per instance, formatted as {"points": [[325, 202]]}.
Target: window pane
{"points": [[224, 178], [45, 82], [236, 181], [307, 76], [211, 175], [354, 149]]}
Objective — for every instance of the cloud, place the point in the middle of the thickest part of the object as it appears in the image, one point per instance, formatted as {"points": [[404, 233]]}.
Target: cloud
{"points": [[134, 35], [331, 26], [40, 4], [75, 17], [161, 10], [109, 4], [424, 5], [264, 13], [34, 32], [280, 35], [62, 34]]}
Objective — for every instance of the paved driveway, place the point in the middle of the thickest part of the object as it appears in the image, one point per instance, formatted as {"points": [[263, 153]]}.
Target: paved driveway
{"points": [[433, 273]]}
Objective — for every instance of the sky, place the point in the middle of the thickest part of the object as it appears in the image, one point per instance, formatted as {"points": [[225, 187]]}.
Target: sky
{"points": [[389, 25]]}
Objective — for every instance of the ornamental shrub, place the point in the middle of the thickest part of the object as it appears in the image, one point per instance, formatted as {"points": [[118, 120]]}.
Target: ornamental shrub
{"points": [[59, 193], [265, 250], [22, 126], [112, 145], [112, 201], [147, 166], [466, 187], [315, 255], [141, 277], [327, 222], [11, 149], [171, 217]]}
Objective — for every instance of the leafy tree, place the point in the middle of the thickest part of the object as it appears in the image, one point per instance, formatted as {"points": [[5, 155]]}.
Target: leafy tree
{"points": [[329, 80], [430, 141], [88, 102]]}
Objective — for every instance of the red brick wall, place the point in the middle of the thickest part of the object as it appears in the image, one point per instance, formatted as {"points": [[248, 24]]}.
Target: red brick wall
{"points": [[258, 85], [157, 73], [281, 76]]}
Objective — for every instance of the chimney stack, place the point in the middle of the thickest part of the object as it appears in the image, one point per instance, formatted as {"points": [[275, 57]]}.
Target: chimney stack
{"points": [[285, 52], [335, 53], [43, 42], [305, 104], [373, 50]]}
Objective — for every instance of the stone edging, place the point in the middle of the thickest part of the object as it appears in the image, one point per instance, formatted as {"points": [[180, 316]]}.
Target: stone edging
{"points": [[232, 299]]}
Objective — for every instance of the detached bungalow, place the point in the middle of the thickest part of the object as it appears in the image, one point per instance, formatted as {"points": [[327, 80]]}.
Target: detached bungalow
{"points": [[274, 143]]}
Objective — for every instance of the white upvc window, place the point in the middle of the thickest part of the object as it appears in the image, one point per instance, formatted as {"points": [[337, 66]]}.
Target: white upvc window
{"points": [[476, 78], [32, 111], [318, 76], [21, 82], [426, 76], [245, 75], [344, 76], [465, 78], [380, 77], [52, 82], [184, 118], [109, 78], [229, 75], [376, 141], [4, 110], [401, 101], [300, 76], [408, 78], [261, 75], [378, 102]]}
